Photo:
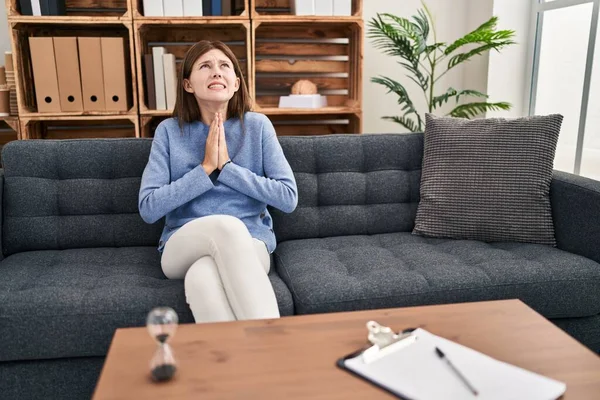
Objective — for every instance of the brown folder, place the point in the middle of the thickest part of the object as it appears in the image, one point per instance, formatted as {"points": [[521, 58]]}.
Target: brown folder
{"points": [[67, 69], [44, 74], [150, 88], [113, 65], [92, 81]]}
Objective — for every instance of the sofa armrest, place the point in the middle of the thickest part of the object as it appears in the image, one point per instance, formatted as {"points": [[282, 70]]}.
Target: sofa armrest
{"points": [[576, 212], [1, 212]]}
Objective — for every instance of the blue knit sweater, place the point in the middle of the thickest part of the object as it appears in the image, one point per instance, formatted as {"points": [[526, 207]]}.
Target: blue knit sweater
{"points": [[175, 185]]}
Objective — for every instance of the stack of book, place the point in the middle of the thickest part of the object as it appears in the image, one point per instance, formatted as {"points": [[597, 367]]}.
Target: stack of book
{"points": [[42, 7], [73, 74], [161, 79], [187, 8]]}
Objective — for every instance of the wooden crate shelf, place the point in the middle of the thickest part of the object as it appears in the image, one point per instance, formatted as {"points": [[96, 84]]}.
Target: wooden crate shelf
{"points": [[241, 11], [177, 39], [77, 10], [148, 124], [79, 127], [22, 60], [281, 10], [329, 54], [316, 124]]}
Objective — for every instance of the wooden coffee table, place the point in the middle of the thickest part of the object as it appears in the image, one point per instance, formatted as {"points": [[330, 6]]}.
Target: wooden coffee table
{"points": [[294, 357]]}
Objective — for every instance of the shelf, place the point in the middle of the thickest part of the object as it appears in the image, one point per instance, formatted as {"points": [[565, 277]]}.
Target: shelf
{"points": [[178, 38], [109, 126], [190, 20], [83, 115], [306, 18], [26, 97], [307, 111], [157, 113], [27, 19]]}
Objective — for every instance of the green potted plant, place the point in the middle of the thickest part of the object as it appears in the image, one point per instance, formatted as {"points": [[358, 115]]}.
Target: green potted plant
{"points": [[427, 62]]}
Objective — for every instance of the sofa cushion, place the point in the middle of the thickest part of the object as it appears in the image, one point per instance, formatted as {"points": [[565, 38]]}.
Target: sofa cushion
{"points": [[58, 196], [351, 185], [57, 304], [488, 179], [401, 269]]}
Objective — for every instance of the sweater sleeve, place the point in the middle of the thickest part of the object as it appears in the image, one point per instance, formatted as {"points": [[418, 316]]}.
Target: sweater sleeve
{"points": [[158, 195], [278, 187]]}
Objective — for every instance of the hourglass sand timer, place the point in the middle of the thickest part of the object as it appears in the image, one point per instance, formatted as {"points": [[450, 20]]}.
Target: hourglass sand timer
{"points": [[162, 324]]}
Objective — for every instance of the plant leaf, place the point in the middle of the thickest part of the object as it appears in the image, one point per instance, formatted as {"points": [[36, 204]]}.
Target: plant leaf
{"points": [[405, 122], [462, 57], [403, 98], [471, 110], [438, 101], [480, 35]]}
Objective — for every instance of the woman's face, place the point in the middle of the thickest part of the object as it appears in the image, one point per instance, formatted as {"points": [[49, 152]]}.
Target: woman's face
{"points": [[212, 78]]}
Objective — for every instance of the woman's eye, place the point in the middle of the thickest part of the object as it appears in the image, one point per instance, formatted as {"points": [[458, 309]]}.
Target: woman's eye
{"points": [[203, 65], [225, 65]]}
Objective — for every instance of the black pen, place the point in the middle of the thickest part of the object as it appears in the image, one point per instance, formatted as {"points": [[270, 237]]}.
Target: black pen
{"points": [[456, 371]]}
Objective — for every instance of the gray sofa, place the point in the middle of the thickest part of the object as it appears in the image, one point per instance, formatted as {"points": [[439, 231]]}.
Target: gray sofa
{"points": [[78, 261]]}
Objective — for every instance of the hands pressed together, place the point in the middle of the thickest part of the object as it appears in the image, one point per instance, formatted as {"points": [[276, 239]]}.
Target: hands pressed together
{"points": [[216, 154]]}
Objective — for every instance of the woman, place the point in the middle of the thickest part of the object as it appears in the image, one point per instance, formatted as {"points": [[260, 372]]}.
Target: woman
{"points": [[213, 169]]}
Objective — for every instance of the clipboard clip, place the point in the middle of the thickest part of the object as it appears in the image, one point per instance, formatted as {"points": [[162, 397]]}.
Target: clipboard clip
{"points": [[385, 341]]}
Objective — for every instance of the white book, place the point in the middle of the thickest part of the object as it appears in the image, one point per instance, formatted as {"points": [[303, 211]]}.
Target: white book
{"points": [[35, 7], [153, 8], [324, 7], [342, 7], [303, 7], [159, 77], [192, 8], [173, 8], [170, 80]]}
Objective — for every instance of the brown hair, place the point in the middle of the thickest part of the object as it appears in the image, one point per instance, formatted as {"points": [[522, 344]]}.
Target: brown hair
{"points": [[186, 107]]}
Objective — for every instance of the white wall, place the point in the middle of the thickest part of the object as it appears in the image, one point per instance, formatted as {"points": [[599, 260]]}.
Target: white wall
{"points": [[453, 19], [507, 75], [4, 37]]}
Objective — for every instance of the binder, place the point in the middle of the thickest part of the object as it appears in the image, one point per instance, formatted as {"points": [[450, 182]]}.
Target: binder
{"points": [[342, 7], [44, 74], [113, 71], [36, 7], [25, 7], [150, 88], [173, 8], [170, 80], [92, 80], [215, 8], [159, 77], [207, 7], [409, 366], [56, 7], [192, 8], [67, 71], [226, 7], [153, 8], [303, 7], [324, 7]]}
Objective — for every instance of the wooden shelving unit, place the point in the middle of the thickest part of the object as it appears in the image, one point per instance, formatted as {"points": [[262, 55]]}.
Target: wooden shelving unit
{"points": [[275, 50]]}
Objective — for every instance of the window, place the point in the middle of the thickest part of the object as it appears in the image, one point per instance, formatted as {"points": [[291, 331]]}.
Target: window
{"points": [[566, 80]]}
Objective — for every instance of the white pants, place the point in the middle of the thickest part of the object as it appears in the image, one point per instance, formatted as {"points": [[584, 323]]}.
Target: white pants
{"points": [[224, 268]]}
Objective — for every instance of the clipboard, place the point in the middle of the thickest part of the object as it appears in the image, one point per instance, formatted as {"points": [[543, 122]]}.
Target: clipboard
{"points": [[407, 365]]}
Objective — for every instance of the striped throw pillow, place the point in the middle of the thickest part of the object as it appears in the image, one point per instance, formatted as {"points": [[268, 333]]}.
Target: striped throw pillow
{"points": [[488, 179]]}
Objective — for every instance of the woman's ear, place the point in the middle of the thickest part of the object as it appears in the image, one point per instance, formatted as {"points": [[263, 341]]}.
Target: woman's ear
{"points": [[237, 84], [187, 86]]}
